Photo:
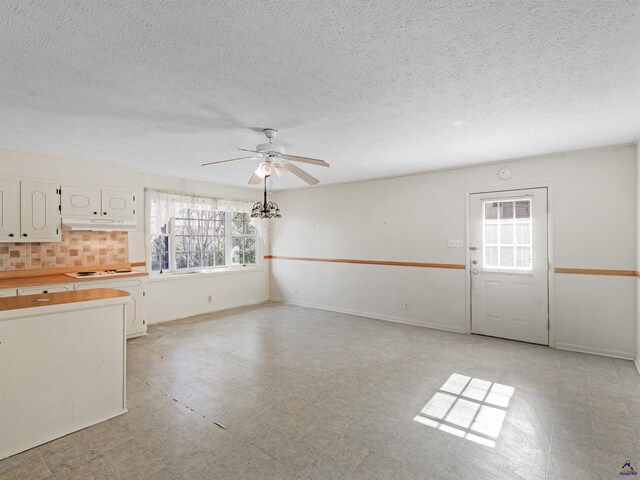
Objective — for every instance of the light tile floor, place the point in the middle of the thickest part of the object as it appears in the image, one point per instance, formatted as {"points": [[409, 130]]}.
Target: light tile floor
{"points": [[281, 392]]}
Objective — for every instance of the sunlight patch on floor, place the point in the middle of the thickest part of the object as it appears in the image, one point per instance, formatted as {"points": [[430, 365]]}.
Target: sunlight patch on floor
{"points": [[468, 407]]}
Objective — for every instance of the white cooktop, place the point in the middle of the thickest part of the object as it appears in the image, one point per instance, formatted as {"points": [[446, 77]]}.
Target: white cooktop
{"points": [[104, 273]]}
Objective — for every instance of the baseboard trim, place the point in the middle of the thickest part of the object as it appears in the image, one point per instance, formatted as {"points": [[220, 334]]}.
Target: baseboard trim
{"points": [[560, 346], [596, 351], [373, 316], [216, 310]]}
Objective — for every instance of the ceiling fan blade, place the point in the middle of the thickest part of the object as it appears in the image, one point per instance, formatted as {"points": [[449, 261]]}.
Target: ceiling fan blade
{"points": [[311, 180], [255, 179], [230, 160], [249, 150], [313, 161]]}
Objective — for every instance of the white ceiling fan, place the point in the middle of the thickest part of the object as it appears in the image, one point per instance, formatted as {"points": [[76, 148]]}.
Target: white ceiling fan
{"points": [[274, 159]]}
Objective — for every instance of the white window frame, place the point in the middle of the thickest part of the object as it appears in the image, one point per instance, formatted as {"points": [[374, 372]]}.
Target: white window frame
{"points": [[219, 268]]}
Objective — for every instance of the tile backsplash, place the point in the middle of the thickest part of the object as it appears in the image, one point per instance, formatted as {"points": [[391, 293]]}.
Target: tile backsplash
{"points": [[77, 249]]}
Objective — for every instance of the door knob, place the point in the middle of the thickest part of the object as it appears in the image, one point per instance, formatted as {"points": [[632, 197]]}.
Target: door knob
{"points": [[475, 271]]}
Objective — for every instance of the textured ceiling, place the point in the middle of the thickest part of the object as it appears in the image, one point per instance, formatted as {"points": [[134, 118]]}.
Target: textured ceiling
{"points": [[376, 88]]}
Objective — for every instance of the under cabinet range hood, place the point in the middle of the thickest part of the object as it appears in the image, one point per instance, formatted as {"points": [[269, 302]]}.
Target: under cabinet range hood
{"points": [[100, 224]]}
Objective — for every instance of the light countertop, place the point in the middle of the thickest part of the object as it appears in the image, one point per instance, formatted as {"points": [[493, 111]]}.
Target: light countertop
{"points": [[59, 298]]}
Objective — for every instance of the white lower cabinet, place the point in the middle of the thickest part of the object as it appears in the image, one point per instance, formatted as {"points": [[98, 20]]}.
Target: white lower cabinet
{"points": [[136, 323], [45, 289]]}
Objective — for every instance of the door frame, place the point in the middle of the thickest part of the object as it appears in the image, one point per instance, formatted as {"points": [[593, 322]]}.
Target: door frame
{"points": [[497, 188]]}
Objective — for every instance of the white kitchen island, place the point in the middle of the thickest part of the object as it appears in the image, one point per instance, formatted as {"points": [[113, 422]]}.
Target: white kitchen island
{"points": [[62, 364]]}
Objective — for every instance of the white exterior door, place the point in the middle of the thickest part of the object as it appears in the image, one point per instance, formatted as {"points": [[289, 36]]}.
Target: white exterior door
{"points": [[80, 201], [9, 211], [509, 265], [39, 212], [118, 204]]}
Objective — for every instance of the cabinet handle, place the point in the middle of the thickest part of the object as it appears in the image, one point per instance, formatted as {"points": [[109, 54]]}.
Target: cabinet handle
{"points": [[45, 291], [95, 213], [11, 234], [104, 213], [24, 234]]}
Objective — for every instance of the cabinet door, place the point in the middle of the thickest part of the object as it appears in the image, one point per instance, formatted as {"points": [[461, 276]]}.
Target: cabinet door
{"points": [[80, 201], [9, 210], [118, 204], [39, 212], [136, 325]]}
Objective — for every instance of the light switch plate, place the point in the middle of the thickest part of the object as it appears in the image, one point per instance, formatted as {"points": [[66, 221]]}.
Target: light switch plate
{"points": [[454, 243]]}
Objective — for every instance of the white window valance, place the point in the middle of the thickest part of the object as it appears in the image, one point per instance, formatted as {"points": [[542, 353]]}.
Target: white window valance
{"points": [[232, 205], [162, 205]]}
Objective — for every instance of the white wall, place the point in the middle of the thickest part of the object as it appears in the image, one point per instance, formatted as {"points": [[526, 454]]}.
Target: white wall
{"points": [[593, 220], [638, 256], [167, 299]]}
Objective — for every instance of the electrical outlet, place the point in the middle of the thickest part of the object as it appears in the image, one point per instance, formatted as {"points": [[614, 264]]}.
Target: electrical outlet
{"points": [[454, 243], [210, 298], [406, 306]]}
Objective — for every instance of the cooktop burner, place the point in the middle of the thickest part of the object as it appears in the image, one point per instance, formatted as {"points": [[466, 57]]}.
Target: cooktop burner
{"points": [[103, 273]]}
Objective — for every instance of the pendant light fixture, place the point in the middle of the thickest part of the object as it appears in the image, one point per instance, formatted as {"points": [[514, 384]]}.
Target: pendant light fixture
{"points": [[265, 209]]}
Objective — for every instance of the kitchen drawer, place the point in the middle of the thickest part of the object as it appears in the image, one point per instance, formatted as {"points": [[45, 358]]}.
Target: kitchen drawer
{"points": [[45, 289], [8, 292]]}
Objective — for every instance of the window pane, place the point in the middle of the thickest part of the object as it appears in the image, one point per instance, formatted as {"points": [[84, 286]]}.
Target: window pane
{"points": [[506, 234], [216, 228], [491, 233], [182, 260], [491, 257], [523, 233], [250, 228], [523, 257], [237, 247], [159, 253], [157, 226], [209, 259], [506, 257], [237, 227], [506, 210], [195, 259], [249, 256], [523, 209], [218, 246], [181, 227], [491, 210]]}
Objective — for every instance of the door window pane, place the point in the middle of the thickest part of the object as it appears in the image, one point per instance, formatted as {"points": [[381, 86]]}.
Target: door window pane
{"points": [[523, 257], [491, 257], [491, 210], [506, 234], [523, 209]]}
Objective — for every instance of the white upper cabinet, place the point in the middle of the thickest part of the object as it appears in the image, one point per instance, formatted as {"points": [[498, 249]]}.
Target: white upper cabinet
{"points": [[118, 204], [39, 212], [80, 201], [9, 210]]}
